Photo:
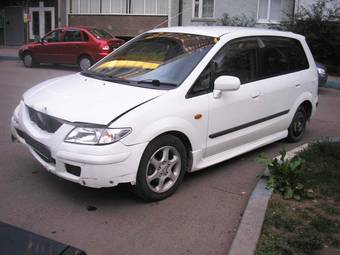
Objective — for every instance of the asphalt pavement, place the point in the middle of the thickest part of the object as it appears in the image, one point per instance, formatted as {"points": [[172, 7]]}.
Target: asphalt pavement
{"points": [[200, 218]]}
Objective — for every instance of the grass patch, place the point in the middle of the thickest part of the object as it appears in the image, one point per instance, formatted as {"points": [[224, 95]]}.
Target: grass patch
{"points": [[309, 226]]}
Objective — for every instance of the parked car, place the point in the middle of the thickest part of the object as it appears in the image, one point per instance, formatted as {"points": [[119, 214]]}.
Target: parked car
{"points": [[322, 74], [81, 46], [170, 101]]}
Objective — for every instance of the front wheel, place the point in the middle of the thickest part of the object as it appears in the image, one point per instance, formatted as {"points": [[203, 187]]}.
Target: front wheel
{"points": [[298, 125], [162, 168], [28, 60]]}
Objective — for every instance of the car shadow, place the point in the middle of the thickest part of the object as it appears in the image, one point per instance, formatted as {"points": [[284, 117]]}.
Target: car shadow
{"points": [[59, 67]]}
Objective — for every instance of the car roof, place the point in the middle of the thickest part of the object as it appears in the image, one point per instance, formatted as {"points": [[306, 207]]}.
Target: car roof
{"points": [[218, 31], [76, 27]]}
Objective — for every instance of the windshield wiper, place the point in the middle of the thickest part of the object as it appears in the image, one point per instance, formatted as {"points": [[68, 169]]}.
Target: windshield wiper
{"points": [[156, 83], [94, 75], [102, 77]]}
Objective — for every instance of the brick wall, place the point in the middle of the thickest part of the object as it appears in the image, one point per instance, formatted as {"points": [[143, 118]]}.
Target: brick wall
{"points": [[119, 25]]}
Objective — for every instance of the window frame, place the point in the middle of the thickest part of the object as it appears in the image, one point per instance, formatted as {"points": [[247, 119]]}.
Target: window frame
{"points": [[200, 11], [266, 20], [259, 63], [125, 8], [72, 30], [190, 93], [60, 39]]}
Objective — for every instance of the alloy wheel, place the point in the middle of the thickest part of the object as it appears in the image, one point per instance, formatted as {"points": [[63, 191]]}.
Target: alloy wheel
{"points": [[163, 169]]}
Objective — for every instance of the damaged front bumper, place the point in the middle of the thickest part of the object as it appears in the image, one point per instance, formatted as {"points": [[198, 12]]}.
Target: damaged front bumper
{"points": [[89, 165]]}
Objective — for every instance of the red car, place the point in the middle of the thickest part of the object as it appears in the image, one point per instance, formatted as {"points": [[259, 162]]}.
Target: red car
{"points": [[82, 46]]}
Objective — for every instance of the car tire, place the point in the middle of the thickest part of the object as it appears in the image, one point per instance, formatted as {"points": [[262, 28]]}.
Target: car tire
{"points": [[28, 60], [298, 125], [85, 62], [161, 169]]}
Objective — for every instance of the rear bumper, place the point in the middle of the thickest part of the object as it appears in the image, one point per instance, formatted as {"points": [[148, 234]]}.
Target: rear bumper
{"points": [[98, 56]]}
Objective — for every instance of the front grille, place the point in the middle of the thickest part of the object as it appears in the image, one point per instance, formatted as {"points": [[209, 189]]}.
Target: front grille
{"points": [[42, 150], [45, 122]]}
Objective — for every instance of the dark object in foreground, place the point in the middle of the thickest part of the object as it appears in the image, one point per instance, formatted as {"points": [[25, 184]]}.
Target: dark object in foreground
{"points": [[14, 240]]}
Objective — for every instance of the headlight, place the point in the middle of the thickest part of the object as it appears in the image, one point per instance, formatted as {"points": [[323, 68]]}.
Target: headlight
{"points": [[88, 135], [321, 71]]}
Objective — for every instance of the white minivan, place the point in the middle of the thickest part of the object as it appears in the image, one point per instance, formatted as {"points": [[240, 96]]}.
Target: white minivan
{"points": [[170, 101]]}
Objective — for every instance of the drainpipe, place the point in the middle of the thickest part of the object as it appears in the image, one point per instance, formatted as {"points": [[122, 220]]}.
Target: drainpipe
{"points": [[180, 9]]}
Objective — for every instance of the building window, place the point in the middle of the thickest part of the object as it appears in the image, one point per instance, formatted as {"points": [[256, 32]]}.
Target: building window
{"points": [[203, 9], [269, 11], [139, 7]]}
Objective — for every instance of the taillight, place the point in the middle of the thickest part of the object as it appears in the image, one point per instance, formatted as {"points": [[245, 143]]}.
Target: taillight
{"points": [[106, 47]]}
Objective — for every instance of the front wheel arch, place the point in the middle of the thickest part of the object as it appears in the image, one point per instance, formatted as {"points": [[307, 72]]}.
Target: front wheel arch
{"points": [[186, 142], [142, 187], [307, 105]]}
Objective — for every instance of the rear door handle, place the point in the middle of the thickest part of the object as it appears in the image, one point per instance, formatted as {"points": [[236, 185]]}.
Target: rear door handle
{"points": [[255, 94], [298, 85]]}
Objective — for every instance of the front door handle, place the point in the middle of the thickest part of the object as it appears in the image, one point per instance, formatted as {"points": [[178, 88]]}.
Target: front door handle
{"points": [[298, 85], [255, 94]]}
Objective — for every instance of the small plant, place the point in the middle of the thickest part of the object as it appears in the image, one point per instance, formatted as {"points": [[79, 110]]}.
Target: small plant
{"points": [[286, 176], [237, 21]]}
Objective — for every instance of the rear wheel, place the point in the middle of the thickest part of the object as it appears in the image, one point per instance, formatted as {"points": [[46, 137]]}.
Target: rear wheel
{"points": [[162, 168], [85, 62], [298, 125]]}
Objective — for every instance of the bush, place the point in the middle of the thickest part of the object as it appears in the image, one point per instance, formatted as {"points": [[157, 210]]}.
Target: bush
{"points": [[286, 176], [237, 21]]}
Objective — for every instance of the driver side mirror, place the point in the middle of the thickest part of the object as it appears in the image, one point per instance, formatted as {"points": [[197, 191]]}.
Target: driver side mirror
{"points": [[225, 83]]}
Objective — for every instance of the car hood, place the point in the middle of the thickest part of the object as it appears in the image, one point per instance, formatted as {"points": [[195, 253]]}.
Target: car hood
{"points": [[29, 45], [77, 98]]}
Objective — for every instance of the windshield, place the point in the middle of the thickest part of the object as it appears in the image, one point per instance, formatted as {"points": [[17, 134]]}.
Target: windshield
{"points": [[100, 34], [154, 59]]}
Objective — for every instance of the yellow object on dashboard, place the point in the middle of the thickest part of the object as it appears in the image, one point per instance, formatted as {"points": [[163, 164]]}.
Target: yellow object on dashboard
{"points": [[128, 64]]}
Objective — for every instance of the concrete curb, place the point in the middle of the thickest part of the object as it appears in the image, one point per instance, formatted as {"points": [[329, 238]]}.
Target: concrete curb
{"points": [[250, 227], [332, 84]]}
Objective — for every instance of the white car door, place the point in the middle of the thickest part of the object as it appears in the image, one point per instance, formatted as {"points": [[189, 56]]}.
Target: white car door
{"points": [[282, 64], [235, 116]]}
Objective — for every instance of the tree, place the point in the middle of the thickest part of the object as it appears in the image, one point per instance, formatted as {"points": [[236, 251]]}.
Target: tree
{"points": [[321, 27]]}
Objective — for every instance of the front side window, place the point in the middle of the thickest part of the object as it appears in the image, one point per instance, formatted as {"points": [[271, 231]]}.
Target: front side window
{"points": [[238, 58], [269, 11], [203, 9], [155, 60], [54, 36]]}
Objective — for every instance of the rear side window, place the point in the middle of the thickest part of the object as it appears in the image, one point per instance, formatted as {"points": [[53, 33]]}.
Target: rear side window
{"points": [[86, 37], [72, 36], [281, 55]]}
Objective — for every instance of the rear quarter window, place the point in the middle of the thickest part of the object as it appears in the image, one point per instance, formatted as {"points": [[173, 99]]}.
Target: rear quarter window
{"points": [[281, 55]]}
